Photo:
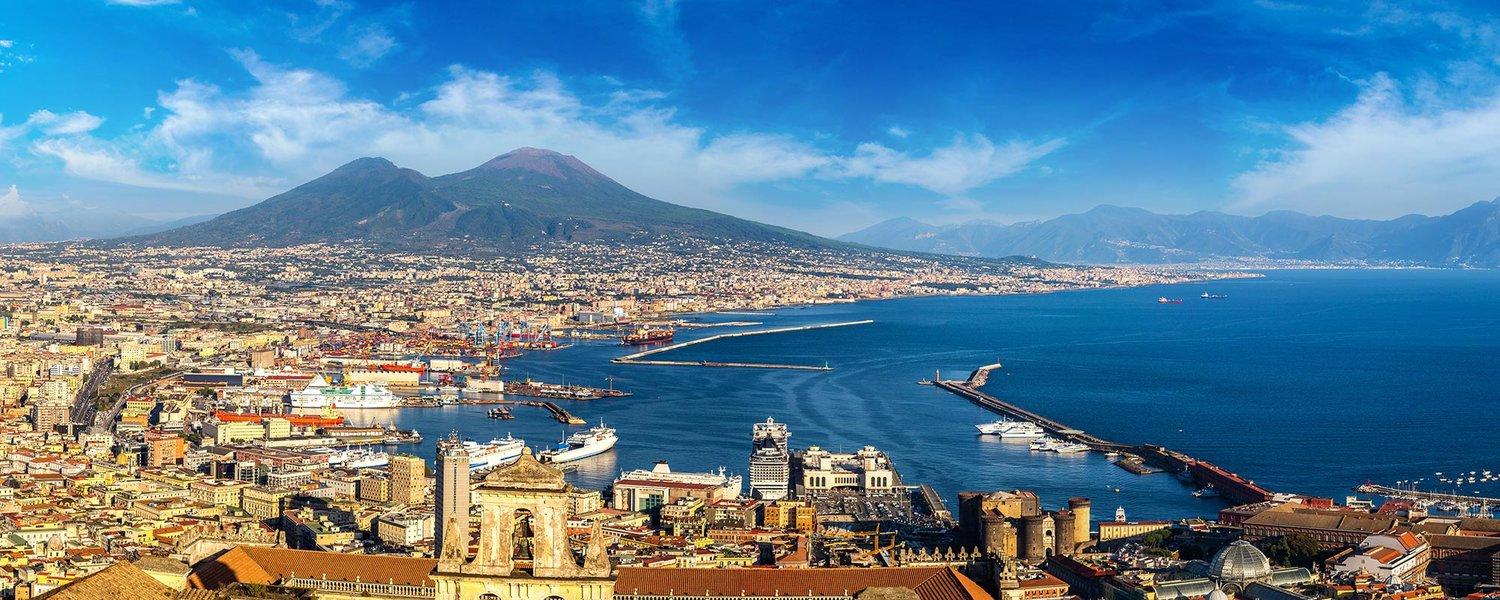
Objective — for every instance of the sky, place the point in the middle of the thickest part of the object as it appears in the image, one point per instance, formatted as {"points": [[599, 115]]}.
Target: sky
{"points": [[822, 116]]}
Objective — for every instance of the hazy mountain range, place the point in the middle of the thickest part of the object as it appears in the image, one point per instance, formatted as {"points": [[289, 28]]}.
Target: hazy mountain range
{"points": [[517, 199], [28, 224], [1113, 235]]}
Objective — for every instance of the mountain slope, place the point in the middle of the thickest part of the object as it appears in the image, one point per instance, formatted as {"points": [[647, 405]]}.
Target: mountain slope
{"points": [[524, 197], [1112, 234]]}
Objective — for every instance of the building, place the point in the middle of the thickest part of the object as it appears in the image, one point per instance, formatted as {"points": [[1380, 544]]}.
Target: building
{"points": [[452, 495], [401, 529], [645, 490], [408, 479], [789, 514], [1461, 562], [46, 415], [263, 502], [866, 471], [1403, 556], [1334, 529], [163, 449], [915, 583], [1110, 531], [374, 489], [524, 549], [770, 461]]}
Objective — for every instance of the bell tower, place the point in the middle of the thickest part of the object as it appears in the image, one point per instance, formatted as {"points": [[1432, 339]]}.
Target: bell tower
{"points": [[524, 551]]}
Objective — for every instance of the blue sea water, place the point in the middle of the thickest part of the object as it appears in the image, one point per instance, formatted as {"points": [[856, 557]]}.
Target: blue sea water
{"points": [[1304, 381]]}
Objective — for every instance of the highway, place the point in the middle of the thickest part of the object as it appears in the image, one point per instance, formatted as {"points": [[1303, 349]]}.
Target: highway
{"points": [[84, 404]]}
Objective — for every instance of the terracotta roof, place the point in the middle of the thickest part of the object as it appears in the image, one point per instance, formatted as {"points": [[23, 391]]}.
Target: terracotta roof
{"points": [[247, 564], [120, 581], [930, 583]]}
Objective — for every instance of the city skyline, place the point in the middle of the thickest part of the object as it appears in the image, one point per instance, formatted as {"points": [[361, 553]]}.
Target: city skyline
{"points": [[999, 112]]}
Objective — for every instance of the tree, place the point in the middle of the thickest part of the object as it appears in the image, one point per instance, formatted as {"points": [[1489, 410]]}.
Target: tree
{"points": [[1295, 549]]}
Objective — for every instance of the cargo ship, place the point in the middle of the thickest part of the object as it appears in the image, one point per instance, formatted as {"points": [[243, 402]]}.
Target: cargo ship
{"points": [[581, 445], [648, 335], [1166, 300]]}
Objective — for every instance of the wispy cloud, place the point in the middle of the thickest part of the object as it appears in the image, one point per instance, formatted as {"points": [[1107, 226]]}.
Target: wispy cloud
{"points": [[1384, 155], [665, 38], [370, 44], [293, 124]]}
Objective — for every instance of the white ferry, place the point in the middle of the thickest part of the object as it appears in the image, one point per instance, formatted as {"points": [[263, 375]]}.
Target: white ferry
{"points": [[1052, 444], [590, 442], [498, 451], [319, 394], [1008, 429]]}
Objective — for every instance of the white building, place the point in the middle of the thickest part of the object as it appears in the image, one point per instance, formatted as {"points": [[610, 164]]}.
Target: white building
{"points": [[868, 470], [1385, 555]]}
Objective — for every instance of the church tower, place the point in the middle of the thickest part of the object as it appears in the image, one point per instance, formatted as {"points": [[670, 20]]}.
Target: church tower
{"points": [[524, 550]]}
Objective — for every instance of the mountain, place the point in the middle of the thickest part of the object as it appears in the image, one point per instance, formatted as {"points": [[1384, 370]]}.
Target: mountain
{"points": [[524, 197], [54, 226], [1117, 235]]}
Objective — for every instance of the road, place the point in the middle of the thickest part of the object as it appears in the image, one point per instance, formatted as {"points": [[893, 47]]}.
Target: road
{"points": [[84, 405]]}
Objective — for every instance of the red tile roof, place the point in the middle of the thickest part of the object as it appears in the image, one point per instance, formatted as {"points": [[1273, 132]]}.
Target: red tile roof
{"points": [[930, 583], [246, 564]]}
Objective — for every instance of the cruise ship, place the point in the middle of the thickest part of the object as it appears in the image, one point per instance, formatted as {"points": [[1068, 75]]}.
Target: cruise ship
{"points": [[580, 445], [319, 394], [732, 485], [496, 452], [1012, 430]]}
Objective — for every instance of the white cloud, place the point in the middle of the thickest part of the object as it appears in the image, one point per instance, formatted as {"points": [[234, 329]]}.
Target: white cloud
{"points": [[12, 206], [1382, 156], [295, 124], [966, 163], [369, 45], [8, 44], [71, 123], [898, 131]]}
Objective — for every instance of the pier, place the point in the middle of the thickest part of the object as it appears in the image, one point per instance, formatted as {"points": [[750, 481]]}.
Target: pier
{"points": [[640, 358], [1231, 486], [558, 412]]}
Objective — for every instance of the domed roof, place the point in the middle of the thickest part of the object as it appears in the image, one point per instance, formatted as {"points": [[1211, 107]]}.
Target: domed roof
{"points": [[1218, 594], [1240, 561]]}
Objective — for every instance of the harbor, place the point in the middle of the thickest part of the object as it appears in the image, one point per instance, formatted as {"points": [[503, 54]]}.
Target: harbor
{"points": [[640, 358], [1138, 459]]}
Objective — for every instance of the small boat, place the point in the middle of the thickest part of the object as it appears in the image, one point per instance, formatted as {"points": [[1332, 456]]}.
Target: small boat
{"points": [[1166, 300], [502, 413], [1207, 491], [1208, 296]]}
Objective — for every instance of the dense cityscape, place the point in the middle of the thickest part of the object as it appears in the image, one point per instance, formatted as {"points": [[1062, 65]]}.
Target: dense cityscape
{"points": [[184, 413]]}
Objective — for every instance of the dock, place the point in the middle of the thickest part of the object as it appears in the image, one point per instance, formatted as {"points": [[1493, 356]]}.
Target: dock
{"points": [[1231, 486], [558, 412], [640, 358], [1422, 496]]}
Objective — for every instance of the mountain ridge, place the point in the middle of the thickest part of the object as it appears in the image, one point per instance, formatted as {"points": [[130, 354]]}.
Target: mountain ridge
{"points": [[1108, 234], [518, 199]]}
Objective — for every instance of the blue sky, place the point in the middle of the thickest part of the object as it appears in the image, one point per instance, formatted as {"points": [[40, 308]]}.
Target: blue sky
{"points": [[824, 116]]}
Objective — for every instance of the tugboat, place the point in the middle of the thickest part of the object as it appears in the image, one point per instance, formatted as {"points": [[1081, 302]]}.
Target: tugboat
{"points": [[648, 335]]}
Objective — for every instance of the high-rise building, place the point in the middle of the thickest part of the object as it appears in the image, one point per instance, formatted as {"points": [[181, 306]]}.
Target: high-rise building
{"points": [[770, 460], [408, 479], [48, 414], [452, 494], [164, 449]]}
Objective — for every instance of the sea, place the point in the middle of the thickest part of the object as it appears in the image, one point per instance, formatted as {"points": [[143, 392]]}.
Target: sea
{"points": [[1305, 381]]}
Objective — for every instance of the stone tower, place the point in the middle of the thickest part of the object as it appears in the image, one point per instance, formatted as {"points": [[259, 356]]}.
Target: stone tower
{"points": [[1034, 539], [451, 526], [1082, 514], [1063, 542], [524, 550]]}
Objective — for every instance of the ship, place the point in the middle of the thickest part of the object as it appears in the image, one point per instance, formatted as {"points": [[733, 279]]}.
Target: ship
{"points": [[1008, 429], [648, 335], [499, 451], [580, 445], [319, 394], [1166, 300], [1052, 444], [1207, 491], [1208, 296]]}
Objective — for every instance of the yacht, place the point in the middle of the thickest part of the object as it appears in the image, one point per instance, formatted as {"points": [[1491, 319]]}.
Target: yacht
{"points": [[1008, 429], [580, 445]]}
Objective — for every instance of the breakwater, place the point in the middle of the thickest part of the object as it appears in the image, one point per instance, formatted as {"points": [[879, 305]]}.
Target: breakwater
{"points": [[1202, 473], [641, 358]]}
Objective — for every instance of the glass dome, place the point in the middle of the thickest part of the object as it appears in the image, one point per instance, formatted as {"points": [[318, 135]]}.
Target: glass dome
{"points": [[1240, 561]]}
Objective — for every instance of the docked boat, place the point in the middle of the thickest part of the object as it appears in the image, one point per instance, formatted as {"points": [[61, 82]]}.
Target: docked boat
{"points": [[580, 445], [1060, 446], [367, 460], [502, 413], [496, 452], [1008, 429], [320, 394]]}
